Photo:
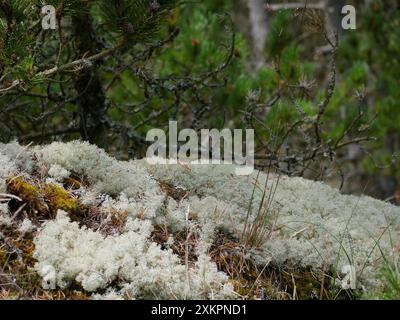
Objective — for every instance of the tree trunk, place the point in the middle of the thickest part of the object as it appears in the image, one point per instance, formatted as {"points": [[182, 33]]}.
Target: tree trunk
{"points": [[91, 100], [259, 29], [251, 19]]}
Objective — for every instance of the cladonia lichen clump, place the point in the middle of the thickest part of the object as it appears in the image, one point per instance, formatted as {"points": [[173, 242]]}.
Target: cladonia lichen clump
{"points": [[139, 267], [148, 230]]}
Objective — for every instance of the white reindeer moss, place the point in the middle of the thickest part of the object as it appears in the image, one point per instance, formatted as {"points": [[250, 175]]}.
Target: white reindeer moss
{"points": [[130, 260], [6, 168], [105, 174], [26, 226], [312, 224], [20, 157], [5, 220], [309, 224]]}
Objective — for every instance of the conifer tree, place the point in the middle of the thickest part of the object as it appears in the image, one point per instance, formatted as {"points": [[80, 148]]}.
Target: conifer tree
{"points": [[67, 74]]}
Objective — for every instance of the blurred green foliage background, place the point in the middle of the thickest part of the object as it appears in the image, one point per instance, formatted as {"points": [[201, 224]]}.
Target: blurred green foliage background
{"points": [[362, 115]]}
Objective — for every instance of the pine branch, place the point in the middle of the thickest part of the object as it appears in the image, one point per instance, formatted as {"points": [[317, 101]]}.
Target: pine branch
{"points": [[136, 20], [80, 64]]}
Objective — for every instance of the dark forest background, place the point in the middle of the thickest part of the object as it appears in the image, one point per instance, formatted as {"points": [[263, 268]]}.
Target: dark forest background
{"points": [[324, 102]]}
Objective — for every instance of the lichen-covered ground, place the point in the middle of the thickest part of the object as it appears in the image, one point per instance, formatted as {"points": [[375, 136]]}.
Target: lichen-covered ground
{"points": [[77, 224]]}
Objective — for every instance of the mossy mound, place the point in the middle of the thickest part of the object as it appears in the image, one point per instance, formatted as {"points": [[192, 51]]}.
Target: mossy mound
{"points": [[76, 224]]}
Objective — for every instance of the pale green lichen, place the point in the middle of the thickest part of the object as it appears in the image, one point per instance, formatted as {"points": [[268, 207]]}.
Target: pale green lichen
{"points": [[140, 267], [310, 225], [105, 174]]}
